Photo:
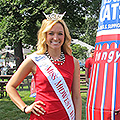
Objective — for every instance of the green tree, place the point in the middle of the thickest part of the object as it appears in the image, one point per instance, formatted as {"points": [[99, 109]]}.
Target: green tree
{"points": [[78, 51], [90, 27], [21, 19]]}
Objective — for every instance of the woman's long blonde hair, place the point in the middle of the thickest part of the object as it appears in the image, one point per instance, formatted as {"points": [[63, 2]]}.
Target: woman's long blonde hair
{"points": [[46, 26]]}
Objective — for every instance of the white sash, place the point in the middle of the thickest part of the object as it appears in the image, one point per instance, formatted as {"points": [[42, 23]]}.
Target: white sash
{"points": [[57, 82]]}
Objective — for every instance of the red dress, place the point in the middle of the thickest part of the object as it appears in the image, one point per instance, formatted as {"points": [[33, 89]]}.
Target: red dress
{"points": [[44, 92]]}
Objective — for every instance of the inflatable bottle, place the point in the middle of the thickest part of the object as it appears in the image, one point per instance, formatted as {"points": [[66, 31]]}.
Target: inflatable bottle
{"points": [[103, 97]]}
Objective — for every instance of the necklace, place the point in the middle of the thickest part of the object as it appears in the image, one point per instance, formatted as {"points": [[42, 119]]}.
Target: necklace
{"points": [[59, 61]]}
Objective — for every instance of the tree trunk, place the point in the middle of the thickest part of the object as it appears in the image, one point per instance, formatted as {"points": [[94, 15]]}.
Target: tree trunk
{"points": [[19, 53]]}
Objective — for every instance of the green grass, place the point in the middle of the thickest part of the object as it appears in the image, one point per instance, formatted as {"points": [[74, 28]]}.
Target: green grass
{"points": [[8, 110], [84, 97]]}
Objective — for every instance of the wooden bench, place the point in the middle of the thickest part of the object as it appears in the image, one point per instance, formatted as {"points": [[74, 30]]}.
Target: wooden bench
{"points": [[25, 84], [5, 77], [83, 87], [3, 89], [3, 82], [22, 86]]}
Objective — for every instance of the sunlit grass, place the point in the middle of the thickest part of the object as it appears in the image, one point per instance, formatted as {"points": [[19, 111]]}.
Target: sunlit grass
{"points": [[9, 111]]}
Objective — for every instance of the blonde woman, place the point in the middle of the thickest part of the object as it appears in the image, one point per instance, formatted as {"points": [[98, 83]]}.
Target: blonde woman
{"points": [[56, 75]]}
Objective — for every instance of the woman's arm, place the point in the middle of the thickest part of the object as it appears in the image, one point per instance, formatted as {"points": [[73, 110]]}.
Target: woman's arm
{"points": [[76, 91], [25, 68]]}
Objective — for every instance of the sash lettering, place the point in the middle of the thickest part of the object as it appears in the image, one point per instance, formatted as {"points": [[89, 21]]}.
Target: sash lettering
{"points": [[57, 82]]}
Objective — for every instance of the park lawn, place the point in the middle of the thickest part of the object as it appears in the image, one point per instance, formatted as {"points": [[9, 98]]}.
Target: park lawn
{"points": [[8, 111]]}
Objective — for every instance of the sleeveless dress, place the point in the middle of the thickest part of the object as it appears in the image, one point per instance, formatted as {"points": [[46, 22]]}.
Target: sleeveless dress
{"points": [[44, 92]]}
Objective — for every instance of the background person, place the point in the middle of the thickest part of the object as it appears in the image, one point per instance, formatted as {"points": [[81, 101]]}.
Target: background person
{"points": [[54, 43], [88, 66]]}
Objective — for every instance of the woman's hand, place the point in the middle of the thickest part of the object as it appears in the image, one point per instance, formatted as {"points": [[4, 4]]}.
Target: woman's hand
{"points": [[36, 108]]}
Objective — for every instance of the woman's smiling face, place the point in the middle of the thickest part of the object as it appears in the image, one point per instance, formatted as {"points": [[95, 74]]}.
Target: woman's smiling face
{"points": [[55, 37]]}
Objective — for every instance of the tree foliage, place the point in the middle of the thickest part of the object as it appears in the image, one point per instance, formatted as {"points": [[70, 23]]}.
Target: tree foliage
{"points": [[78, 51], [21, 19], [90, 27]]}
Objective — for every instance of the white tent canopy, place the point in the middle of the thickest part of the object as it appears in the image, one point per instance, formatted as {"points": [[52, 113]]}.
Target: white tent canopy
{"points": [[83, 44]]}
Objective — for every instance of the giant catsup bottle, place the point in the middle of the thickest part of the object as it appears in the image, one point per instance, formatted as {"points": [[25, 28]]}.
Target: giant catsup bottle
{"points": [[104, 89]]}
